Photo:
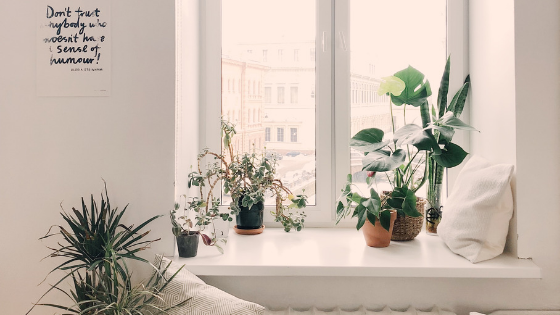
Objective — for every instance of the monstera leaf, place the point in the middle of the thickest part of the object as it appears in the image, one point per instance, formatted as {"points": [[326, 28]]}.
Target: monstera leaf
{"points": [[392, 84], [417, 89], [368, 140], [383, 161]]}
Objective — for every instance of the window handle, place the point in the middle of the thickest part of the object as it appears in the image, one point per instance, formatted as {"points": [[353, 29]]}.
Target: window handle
{"points": [[342, 41]]}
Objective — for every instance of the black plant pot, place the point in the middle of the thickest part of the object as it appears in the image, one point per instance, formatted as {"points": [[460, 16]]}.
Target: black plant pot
{"points": [[187, 244], [250, 219]]}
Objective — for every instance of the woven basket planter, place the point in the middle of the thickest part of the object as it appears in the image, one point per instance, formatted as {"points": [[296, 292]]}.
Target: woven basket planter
{"points": [[407, 228]]}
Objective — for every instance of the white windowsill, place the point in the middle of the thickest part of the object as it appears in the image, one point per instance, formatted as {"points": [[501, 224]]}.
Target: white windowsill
{"points": [[342, 252]]}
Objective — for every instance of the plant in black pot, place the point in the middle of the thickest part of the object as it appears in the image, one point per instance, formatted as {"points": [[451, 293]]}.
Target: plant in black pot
{"points": [[249, 178], [187, 234]]}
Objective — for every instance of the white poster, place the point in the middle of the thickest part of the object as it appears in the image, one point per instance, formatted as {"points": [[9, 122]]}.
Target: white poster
{"points": [[74, 48]]}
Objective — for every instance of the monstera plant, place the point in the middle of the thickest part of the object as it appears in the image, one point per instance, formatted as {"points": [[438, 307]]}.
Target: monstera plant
{"points": [[404, 156]]}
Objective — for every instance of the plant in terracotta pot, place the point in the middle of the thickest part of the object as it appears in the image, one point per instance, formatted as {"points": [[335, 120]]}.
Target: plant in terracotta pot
{"points": [[403, 157], [249, 178], [400, 156]]}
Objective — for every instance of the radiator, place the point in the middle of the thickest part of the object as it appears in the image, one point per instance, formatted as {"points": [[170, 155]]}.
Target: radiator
{"points": [[360, 311]]}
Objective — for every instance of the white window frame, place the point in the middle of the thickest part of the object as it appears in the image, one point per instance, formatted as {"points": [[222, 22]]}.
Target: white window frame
{"points": [[332, 69]]}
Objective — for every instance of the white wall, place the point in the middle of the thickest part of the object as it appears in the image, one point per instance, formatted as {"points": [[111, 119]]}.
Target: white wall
{"points": [[515, 72], [57, 149]]}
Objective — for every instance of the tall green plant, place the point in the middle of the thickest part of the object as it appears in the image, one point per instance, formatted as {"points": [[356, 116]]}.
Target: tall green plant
{"points": [[445, 121], [94, 246]]}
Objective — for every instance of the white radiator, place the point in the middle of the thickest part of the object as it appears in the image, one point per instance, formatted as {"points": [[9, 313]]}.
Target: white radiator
{"points": [[361, 311]]}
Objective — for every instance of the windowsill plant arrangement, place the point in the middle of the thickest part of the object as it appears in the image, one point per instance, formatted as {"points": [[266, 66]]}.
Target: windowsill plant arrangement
{"points": [[249, 178], [404, 156]]}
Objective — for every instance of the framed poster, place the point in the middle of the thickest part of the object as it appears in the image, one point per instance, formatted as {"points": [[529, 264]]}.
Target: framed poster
{"points": [[74, 48]]}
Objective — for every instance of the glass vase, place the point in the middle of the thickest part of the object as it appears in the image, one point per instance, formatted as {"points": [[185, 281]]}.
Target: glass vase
{"points": [[434, 210]]}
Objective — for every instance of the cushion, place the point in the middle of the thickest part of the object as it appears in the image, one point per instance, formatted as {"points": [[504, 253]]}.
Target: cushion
{"points": [[203, 298], [476, 215]]}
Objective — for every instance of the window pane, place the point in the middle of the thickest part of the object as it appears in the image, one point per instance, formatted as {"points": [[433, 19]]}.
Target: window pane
{"points": [[417, 37], [262, 52]]}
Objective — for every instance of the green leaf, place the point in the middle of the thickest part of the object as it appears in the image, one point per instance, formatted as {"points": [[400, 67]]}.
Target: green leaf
{"points": [[445, 133], [409, 204], [458, 102], [449, 120], [451, 156], [418, 137], [385, 219], [416, 91], [361, 214], [379, 161], [368, 140], [371, 218], [444, 89], [392, 84]]}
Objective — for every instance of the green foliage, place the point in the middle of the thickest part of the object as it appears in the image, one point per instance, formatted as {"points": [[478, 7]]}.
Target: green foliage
{"points": [[248, 178], [95, 246], [416, 90]]}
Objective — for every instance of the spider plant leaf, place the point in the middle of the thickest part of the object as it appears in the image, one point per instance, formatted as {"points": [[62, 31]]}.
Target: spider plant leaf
{"points": [[128, 235]]}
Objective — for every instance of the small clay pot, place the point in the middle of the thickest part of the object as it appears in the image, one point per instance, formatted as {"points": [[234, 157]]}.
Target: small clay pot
{"points": [[187, 244], [376, 235]]}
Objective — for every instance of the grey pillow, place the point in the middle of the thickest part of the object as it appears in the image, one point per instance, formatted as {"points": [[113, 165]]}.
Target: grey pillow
{"points": [[204, 299]]}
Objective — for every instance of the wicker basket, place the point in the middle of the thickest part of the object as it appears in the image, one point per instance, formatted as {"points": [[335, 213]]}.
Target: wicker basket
{"points": [[407, 228]]}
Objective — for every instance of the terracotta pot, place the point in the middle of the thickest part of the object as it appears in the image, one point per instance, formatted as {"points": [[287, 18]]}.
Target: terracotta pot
{"points": [[376, 235]]}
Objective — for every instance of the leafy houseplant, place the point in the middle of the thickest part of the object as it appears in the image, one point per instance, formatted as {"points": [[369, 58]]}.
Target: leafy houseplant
{"points": [[96, 246], [445, 122], [248, 178], [403, 155]]}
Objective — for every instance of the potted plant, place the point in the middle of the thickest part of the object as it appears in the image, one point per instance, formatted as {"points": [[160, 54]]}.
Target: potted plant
{"points": [[182, 226], [445, 120], [402, 157], [96, 245], [249, 178]]}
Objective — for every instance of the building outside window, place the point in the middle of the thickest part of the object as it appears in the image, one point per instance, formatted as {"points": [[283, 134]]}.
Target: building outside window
{"points": [[267, 134], [267, 94], [293, 134], [280, 53], [296, 54], [265, 55], [280, 134], [280, 95], [294, 94]]}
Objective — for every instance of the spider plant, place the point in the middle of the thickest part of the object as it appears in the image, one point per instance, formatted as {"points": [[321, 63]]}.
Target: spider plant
{"points": [[95, 245]]}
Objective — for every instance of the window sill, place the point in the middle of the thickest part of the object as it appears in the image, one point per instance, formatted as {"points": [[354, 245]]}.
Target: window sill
{"points": [[342, 252]]}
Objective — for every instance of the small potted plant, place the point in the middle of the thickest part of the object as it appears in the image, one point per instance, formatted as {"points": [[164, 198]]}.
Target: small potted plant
{"points": [[182, 226], [249, 178]]}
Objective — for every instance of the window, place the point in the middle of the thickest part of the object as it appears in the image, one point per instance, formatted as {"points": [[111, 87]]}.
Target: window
{"points": [[294, 94], [280, 134], [267, 134], [340, 57], [280, 94], [293, 134], [267, 94]]}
